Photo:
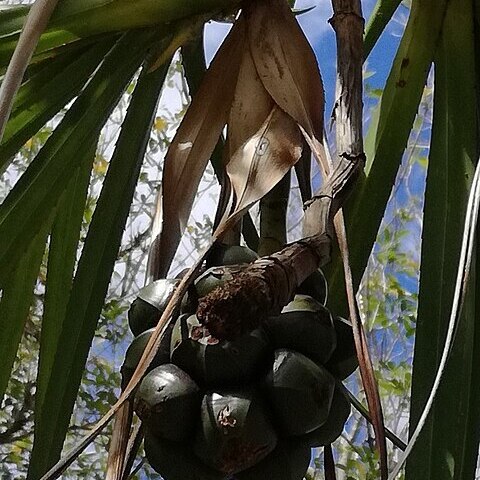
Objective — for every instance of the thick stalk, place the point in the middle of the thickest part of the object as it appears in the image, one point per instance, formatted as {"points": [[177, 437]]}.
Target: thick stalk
{"points": [[273, 218], [269, 283], [348, 24]]}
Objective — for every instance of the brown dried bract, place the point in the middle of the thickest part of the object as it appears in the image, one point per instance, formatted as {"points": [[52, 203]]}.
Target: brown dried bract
{"points": [[236, 308], [262, 289]]}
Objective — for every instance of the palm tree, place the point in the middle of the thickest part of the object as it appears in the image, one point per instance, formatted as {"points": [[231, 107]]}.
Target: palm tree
{"points": [[86, 57]]}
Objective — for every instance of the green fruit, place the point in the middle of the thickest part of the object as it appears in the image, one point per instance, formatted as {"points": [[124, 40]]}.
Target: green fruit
{"points": [[232, 255], [174, 461], [289, 461], [168, 401], [135, 352], [150, 304], [212, 278], [343, 361], [207, 282], [333, 427], [214, 362], [234, 433], [300, 392], [203, 285], [315, 286], [305, 326]]}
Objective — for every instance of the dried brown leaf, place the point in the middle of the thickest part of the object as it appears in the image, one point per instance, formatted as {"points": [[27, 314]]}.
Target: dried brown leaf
{"points": [[194, 142], [119, 441], [134, 443], [251, 104], [286, 63], [262, 161]]}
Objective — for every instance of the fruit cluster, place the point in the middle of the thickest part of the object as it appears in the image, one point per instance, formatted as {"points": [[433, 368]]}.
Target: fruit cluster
{"points": [[245, 409]]}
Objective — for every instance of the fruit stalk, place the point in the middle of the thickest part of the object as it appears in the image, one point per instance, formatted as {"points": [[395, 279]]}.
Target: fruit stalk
{"points": [[273, 215], [269, 283]]}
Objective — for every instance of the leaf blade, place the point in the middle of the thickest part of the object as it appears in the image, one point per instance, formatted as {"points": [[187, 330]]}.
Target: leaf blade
{"points": [[251, 105], [61, 262], [12, 19], [95, 268], [17, 298], [73, 20], [43, 95], [262, 161], [399, 105], [448, 445], [38, 190], [382, 13], [194, 142], [286, 64]]}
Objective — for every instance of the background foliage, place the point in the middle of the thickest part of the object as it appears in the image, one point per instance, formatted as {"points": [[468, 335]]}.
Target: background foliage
{"points": [[399, 128]]}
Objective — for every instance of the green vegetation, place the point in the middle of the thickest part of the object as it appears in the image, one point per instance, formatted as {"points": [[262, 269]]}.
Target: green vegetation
{"points": [[82, 162]]}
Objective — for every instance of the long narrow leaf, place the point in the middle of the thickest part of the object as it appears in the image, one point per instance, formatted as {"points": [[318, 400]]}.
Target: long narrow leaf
{"points": [[35, 23], [61, 262], [399, 105], [265, 158], [381, 15], [17, 297], [251, 105], [74, 20], [448, 446], [90, 15], [193, 60], [286, 64], [194, 66], [194, 142], [35, 194], [44, 94], [94, 270], [12, 19], [41, 72], [261, 162]]}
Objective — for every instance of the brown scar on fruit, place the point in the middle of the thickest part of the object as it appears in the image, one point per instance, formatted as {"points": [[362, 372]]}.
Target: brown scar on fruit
{"points": [[198, 333], [225, 417]]}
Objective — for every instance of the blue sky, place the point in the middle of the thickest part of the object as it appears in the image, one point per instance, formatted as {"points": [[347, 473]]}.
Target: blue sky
{"points": [[322, 38]]}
